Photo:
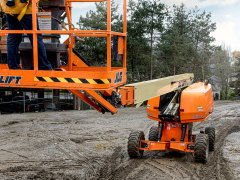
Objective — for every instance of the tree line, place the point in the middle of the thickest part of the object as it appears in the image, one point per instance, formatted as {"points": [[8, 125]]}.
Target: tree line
{"points": [[161, 41]]}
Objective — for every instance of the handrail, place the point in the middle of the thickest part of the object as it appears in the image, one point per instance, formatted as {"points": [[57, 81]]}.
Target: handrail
{"points": [[61, 32], [72, 32]]}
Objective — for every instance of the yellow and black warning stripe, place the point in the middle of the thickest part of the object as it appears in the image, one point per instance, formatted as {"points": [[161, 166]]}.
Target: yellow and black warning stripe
{"points": [[73, 80]]}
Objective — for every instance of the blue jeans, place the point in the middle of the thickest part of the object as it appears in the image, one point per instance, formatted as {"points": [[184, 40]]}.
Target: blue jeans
{"points": [[14, 40]]}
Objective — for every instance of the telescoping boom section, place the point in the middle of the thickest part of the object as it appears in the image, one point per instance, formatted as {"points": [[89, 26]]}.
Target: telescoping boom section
{"points": [[137, 93]]}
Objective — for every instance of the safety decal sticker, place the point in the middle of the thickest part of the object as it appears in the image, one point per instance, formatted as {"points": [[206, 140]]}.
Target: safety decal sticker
{"points": [[200, 108], [72, 80]]}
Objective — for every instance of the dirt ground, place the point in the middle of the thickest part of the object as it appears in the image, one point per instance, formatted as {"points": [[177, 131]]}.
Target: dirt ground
{"points": [[88, 145]]}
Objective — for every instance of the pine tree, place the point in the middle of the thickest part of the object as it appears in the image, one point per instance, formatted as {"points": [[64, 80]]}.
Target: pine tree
{"points": [[94, 49], [149, 16], [201, 28], [175, 44], [222, 69], [237, 76], [185, 45]]}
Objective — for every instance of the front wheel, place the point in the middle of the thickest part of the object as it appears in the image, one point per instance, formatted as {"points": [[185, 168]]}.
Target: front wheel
{"points": [[201, 148], [153, 133], [134, 144], [210, 131]]}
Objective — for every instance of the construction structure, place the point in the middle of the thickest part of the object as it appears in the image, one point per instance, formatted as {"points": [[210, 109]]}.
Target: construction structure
{"points": [[102, 87]]}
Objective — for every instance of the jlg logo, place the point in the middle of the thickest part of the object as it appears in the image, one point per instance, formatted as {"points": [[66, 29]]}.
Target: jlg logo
{"points": [[9, 79], [118, 77]]}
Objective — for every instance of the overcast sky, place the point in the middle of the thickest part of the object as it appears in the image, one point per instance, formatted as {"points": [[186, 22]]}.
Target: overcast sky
{"points": [[226, 14]]}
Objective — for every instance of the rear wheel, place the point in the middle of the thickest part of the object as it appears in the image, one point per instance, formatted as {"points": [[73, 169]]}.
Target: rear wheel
{"points": [[201, 148], [153, 133], [134, 144], [210, 131]]}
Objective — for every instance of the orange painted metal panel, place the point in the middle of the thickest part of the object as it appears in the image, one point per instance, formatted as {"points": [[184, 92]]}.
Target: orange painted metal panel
{"points": [[154, 145], [5, 67], [152, 108], [107, 92], [120, 45], [85, 79], [34, 28], [172, 132], [196, 103], [181, 146], [166, 146], [127, 94]]}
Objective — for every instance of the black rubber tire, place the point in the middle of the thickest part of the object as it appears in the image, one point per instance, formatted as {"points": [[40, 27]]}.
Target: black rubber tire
{"points": [[201, 148], [153, 133], [134, 143], [210, 131]]}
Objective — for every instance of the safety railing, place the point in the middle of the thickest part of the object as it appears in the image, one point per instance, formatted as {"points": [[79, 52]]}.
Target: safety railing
{"points": [[73, 32]]}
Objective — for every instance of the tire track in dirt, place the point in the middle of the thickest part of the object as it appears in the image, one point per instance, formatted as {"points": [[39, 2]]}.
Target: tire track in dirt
{"points": [[171, 172], [77, 159], [215, 167], [65, 134], [72, 154], [218, 167]]}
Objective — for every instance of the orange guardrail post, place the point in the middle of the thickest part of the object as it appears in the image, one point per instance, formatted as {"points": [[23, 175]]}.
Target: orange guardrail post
{"points": [[35, 41]]}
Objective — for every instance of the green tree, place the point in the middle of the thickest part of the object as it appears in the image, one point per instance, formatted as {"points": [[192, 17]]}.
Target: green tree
{"points": [[201, 29], [137, 47], [185, 45], [222, 68], [175, 44], [94, 49], [159, 43], [237, 76], [148, 17]]}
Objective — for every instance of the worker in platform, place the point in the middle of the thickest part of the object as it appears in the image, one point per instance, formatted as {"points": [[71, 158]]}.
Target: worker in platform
{"points": [[19, 17]]}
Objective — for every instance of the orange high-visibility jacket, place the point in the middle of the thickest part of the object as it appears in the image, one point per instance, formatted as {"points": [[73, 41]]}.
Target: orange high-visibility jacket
{"points": [[15, 9]]}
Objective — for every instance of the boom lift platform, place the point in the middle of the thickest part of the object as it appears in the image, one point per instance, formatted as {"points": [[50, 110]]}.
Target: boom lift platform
{"points": [[174, 102], [77, 76]]}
